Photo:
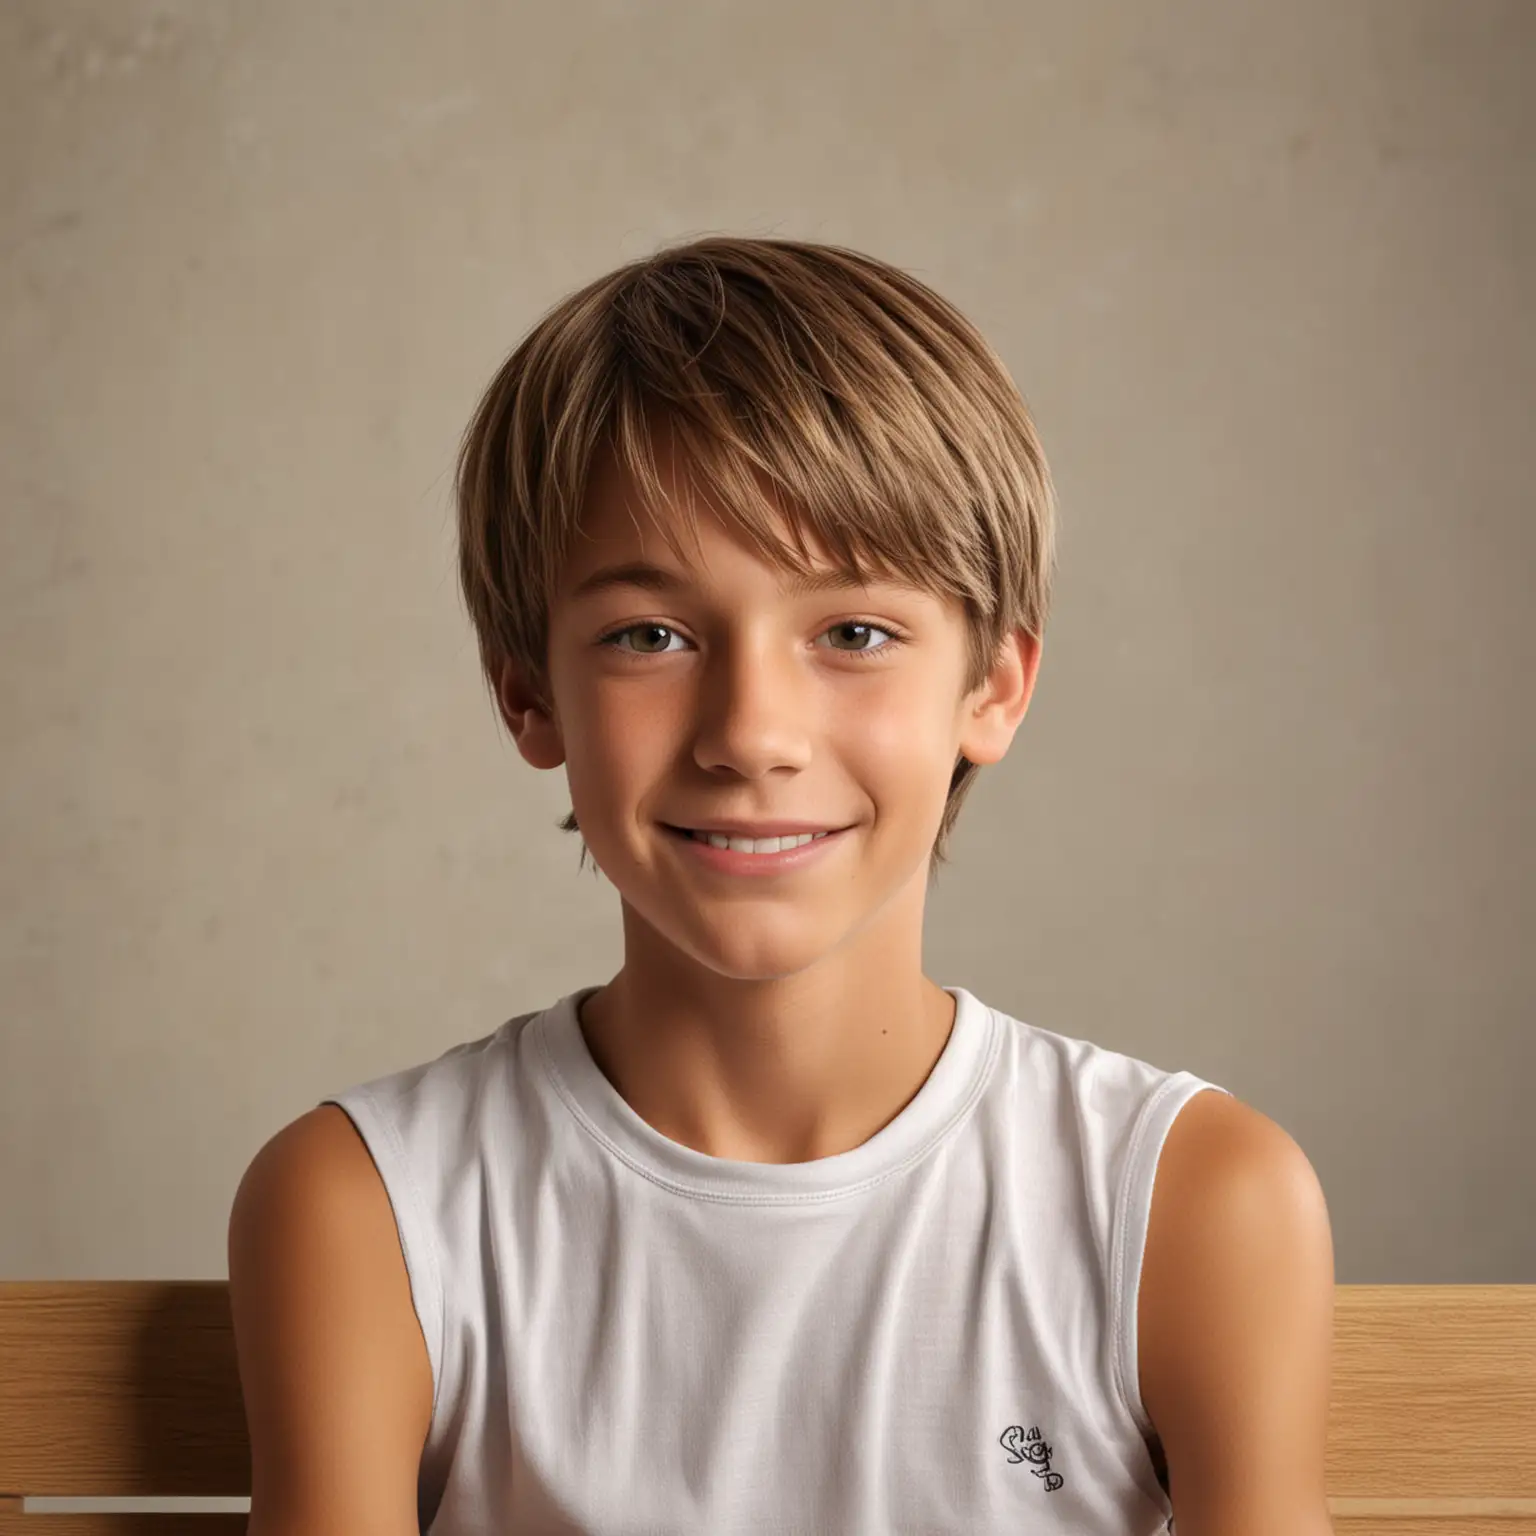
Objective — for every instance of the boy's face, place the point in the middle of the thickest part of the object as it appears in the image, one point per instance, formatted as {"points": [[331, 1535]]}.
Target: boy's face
{"points": [[723, 695]]}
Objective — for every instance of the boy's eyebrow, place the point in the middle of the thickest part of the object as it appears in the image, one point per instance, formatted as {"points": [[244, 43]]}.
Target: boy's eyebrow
{"points": [[655, 578]]}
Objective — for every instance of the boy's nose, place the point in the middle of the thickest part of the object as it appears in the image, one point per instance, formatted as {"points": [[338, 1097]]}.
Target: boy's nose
{"points": [[752, 717]]}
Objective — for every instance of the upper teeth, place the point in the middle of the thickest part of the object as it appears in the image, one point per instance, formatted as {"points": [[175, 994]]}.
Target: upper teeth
{"points": [[756, 844]]}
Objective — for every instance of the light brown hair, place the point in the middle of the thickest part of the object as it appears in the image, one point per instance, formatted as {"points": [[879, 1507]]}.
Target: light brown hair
{"points": [[802, 382]]}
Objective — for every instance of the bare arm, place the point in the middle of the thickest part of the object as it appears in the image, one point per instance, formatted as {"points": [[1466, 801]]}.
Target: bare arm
{"points": [[333, 1367], [1237, 1312]]}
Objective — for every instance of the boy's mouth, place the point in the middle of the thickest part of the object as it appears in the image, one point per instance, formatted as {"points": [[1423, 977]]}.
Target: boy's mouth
{"points": [[750, 844]]}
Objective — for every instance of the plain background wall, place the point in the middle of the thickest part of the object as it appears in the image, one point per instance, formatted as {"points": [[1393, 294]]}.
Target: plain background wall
{"points": [[1265, 275]]}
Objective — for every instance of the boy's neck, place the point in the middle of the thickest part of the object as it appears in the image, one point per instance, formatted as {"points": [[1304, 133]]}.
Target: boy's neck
{"points": [[786, 1071]]}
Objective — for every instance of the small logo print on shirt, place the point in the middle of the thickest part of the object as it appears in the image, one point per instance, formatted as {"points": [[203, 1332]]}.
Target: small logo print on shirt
{"points": [[1022, 1446]]}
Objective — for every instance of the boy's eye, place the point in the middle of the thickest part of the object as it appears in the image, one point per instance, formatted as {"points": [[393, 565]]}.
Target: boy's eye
{"points": [[855, 629], [648, 630], [860, 625]]}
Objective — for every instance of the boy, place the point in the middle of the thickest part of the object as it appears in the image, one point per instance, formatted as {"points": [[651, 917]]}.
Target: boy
{"points": [[772, 1232]]}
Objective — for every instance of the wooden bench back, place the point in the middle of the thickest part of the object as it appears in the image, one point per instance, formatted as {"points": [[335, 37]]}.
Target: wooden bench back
{"points": [[123, 1389], [130, 1389]]}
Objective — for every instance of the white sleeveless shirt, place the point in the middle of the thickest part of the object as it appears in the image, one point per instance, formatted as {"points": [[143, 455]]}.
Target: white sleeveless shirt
{"points": [[934, 1332]]}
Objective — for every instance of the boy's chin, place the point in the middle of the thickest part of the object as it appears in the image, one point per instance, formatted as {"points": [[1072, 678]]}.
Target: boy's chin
{"points": [[741, 947]]}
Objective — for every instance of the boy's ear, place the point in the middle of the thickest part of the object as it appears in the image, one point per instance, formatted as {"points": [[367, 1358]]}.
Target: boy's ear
{"points": [[530, 720], [994, 711]]}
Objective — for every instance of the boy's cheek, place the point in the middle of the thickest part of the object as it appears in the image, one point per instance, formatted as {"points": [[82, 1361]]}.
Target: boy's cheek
{"points": [[903, 741]]}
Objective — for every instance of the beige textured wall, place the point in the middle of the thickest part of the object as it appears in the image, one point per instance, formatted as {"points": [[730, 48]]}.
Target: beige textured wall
{"points": [[1266, 276]]}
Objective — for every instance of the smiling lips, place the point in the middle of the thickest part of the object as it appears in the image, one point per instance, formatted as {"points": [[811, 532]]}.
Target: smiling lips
{"points": [[754, 844]]}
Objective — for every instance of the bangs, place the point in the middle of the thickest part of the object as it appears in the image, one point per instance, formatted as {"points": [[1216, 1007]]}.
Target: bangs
{"points": [[784, 503]]}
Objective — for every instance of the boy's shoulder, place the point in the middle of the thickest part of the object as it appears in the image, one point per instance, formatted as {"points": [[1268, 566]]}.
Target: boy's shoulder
{"points": [[1084, 1059], [457, 1073]]}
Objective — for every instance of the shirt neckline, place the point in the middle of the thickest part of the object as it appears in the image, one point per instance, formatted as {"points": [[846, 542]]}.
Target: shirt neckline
{"points": [[946, 1096]]}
